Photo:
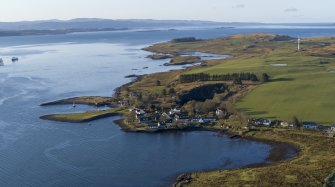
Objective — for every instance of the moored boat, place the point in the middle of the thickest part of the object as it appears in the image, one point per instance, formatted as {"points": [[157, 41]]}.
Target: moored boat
{"points": [[15, 59]]}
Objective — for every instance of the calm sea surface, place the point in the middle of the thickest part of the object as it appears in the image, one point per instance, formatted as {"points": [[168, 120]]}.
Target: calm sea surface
{"points": [[42, 153]]}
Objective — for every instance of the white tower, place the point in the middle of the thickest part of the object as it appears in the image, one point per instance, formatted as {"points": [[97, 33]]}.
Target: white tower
{"points": [[299, 40]]}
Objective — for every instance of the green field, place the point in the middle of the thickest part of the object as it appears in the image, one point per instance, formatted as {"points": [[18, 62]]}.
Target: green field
{"points": [[83, 117], [301, 86], [304, 88], [308, 96]]}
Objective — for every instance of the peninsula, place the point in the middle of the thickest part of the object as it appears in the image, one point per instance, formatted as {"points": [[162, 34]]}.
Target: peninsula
{"points": [[261, 92]]}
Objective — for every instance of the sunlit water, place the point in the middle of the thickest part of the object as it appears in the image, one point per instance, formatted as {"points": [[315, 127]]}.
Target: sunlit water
{"points": [[42, 153]]}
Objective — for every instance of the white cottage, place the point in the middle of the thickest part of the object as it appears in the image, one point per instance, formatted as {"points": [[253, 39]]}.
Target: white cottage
{"points": [[219, 112]]}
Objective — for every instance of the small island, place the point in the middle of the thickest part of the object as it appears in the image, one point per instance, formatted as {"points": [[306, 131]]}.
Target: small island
{"points": [[245, 96], [176, 59], [84, 117], [160, 56]]}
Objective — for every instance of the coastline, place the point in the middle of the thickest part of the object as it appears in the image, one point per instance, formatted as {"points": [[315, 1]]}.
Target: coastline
{"points": [[281, 138], [85, 100], [32, 32], [52, 117], [278, 154], [274, 157]]}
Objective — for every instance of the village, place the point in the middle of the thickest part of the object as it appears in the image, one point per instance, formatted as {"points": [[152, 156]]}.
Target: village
{"points": [[174, 119], [305, 125], [178, 119]]}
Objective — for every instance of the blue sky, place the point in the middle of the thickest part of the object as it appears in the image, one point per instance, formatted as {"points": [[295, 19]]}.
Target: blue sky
{"points": [[216, 10]]}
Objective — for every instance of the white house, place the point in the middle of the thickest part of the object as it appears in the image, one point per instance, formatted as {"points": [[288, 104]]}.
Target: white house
{"points": [[209, 120], [166, 116], [181, 120], [261, 121], [139, 111], [152, 127], [201, 120], [286, 124], [267, 122], [161, 124], [219, 112], [310, 125], [174, 111], [204, 120]]}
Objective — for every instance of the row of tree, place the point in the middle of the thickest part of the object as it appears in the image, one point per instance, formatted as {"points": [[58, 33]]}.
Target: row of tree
{"points": [[202, 93], [187, 78]]}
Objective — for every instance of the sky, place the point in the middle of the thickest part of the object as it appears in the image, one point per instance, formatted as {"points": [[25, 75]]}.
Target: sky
{"points": [[273, 11]]}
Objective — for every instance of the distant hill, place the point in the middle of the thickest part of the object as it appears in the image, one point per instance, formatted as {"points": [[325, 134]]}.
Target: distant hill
{"points": [[51, 27], [47, 27], [93, 23]]}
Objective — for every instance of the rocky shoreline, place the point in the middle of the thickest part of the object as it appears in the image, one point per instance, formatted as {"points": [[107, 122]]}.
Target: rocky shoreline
{"points": [[277, 154], [85, 100], [280, 152]]}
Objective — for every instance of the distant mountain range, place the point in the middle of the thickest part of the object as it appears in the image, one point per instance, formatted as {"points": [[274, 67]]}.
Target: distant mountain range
{"points": [[93, 24]]}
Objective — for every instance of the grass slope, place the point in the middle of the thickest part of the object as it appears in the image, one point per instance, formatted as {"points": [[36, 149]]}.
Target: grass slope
{"points": [[83, 117], [303, 88]]}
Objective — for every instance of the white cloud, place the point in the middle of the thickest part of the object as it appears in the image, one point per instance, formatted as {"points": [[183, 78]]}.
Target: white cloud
{"points": [[291, 10], [239, 6]]}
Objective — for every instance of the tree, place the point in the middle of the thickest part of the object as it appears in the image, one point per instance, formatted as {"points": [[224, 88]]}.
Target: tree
{"points": [[206, 107], [172, 91], [253, 78], [187, 78], [139, 96], [158, 108], [153, 107], [229, 107], [296, 122], [189, 107], [164, 92], [265, 77], [158, 83], [237, 81], [131, 117], [202, 93]]}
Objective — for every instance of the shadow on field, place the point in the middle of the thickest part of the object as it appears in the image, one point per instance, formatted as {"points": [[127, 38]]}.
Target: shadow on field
{"points": [[282, 79], [256, 113]]}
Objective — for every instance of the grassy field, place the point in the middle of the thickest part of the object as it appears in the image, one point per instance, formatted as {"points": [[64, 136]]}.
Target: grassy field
{"points": [[181, 60], [83, 117], [301, 80], [86, 100], [301, 85], [312, 167]]}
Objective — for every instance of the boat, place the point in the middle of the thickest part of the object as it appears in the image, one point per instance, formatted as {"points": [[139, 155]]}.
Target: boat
{"points": [[15, 59]]}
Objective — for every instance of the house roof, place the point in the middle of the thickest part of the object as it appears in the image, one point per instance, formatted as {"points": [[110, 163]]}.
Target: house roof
{"points": [[308, 123]]}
